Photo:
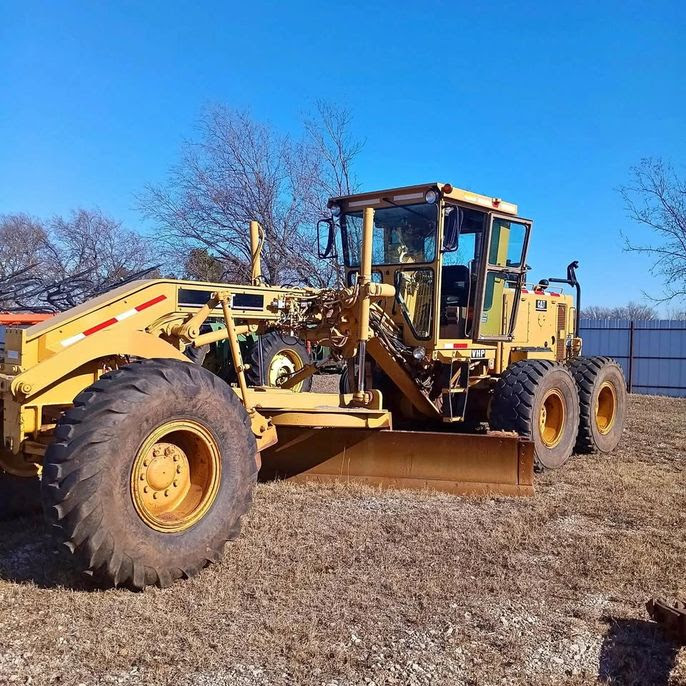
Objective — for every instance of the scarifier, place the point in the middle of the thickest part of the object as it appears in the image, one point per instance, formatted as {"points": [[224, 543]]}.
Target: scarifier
{"points": [[147, 459]]}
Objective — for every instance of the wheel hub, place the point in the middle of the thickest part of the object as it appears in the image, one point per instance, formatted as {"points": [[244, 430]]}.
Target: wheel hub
{"points": [[165, 474], [175, 476], [283, 365], [552, 419], [605, 408]]}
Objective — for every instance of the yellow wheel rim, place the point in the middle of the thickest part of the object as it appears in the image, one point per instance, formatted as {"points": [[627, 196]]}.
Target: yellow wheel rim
{"points": [[283, 365], [606, 408], [175, 476], [552, 418]]}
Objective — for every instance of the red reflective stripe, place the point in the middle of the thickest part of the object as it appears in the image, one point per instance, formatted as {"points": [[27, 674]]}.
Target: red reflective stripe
{"points": [[150, 303], [524, 290], [99, 327], [459, 346], [555, 295], [114, 320]]}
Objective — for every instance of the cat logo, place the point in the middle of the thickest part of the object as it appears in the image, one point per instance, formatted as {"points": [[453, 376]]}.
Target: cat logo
{"points": [[541, 305]]}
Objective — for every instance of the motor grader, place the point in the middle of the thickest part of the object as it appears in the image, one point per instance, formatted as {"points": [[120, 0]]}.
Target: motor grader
{"points": [[147, 457]]}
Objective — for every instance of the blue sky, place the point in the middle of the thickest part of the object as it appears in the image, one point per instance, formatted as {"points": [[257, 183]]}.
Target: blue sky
{"points": [[543, 104]]}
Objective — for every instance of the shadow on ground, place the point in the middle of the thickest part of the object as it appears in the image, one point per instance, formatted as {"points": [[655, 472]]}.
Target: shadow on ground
{"points": [[29, 555], [634, 652]]}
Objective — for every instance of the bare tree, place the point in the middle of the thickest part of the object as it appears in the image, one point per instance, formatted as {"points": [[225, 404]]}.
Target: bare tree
{"points": [[201, 266], [335, 149], [677, 314], [329, 133], [239, 169], [631, 311], [655, 198], [47, 266], [23, 248], [596, 312], [23, 240], [89, 240], [635, 311]]}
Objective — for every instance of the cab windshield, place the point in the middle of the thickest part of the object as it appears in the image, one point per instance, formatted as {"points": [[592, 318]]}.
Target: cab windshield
{"points": [[401, 235]]}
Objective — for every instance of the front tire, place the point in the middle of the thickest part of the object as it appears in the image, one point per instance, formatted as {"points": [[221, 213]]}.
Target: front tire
{"points": [[273, 358], [150, 473], [602, 398], [538, 399]]}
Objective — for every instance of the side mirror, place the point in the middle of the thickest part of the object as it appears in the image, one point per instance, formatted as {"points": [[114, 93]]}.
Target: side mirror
{"points": [[326, 239], [451, 229]]}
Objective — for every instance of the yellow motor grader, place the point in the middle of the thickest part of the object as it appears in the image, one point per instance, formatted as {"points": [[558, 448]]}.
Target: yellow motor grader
{"points": [[147, 459]]}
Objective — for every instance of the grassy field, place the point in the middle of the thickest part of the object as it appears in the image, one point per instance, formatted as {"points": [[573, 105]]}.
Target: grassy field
{"points": [[342, 585]]}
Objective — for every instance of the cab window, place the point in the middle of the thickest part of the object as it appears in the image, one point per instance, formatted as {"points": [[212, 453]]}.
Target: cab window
{"points": [[507, 243], [401, 235]]}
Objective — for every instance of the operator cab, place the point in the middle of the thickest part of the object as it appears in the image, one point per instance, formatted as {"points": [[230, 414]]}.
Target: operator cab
{"points": [[449, 253]]}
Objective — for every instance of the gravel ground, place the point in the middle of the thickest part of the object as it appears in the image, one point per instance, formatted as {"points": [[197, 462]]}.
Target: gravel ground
{"points": [[348, 585]]}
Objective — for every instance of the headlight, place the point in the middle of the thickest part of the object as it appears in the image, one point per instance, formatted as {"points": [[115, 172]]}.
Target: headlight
{"points": [[335, 210], [431, 196], [419, 353]]}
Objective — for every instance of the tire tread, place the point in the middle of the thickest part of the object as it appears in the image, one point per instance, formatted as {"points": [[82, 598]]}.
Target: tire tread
{"points": [[585, 371], [514, 397]]}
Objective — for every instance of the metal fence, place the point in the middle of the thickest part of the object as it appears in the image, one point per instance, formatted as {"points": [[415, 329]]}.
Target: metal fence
{"points": [[652, 353]]}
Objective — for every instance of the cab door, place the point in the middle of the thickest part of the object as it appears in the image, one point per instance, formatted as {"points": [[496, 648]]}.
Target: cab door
{"points": [[502, 279]]}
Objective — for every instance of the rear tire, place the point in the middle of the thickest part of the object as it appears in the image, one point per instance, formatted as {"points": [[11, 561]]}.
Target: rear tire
{"points": [[602, 399], [150, 473], [538, 399], [280, 356]]}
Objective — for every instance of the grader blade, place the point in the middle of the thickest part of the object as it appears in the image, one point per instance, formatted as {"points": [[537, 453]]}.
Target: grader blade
{"points": [[464, 464]]}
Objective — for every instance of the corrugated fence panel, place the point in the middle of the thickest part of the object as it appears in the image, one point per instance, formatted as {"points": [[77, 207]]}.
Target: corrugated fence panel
{"points": [[607, 337], [655, 364]]}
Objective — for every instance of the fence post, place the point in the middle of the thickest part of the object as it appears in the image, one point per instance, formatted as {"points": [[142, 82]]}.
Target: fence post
{"points": [[630, 380]]}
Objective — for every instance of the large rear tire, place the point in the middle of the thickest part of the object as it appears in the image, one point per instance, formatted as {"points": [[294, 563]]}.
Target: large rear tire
{"points": [[538, 399], [602, 398], [150, 473], [279, 357]]}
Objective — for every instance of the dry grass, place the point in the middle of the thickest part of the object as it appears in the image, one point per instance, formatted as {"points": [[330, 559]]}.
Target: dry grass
{"points": [[347, 585]]}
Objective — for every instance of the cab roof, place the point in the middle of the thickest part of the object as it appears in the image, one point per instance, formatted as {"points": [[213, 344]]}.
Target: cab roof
{"points": [[406, 194]]}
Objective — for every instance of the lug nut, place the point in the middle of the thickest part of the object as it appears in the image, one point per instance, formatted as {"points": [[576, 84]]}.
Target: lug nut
{"points": [[154, 495], [166, 493], [168, 451], [145, 489], [178, 470], [176, 484], [176, 457]]}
